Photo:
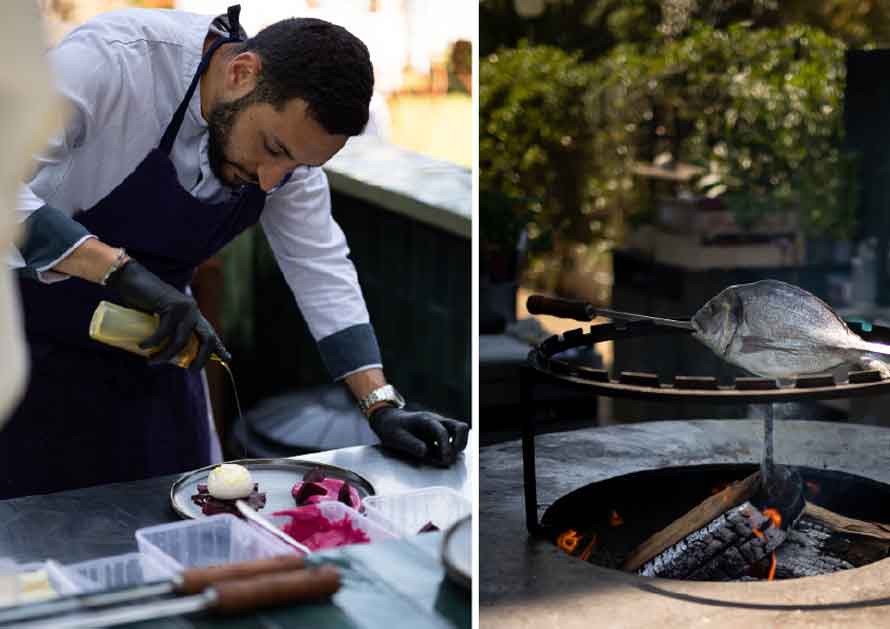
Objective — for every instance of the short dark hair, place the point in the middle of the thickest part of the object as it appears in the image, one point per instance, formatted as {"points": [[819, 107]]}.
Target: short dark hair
{"points": [[320, 63]]}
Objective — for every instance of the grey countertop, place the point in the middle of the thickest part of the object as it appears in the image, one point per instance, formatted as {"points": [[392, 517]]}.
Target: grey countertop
{"points": [[432, 191], [100, 521]]}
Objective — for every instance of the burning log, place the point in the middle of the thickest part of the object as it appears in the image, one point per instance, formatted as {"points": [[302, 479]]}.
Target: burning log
{"points": [[696, 519], [727, 537], [723, 550]]}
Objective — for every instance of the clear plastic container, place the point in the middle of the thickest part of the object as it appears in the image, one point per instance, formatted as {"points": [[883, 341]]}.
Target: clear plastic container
{"points": [[407, 513], [215, 540], [120, 571], [376, 530], [37, 581], [125, 328]]}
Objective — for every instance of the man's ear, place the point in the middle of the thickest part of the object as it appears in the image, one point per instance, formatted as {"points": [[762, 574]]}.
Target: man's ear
{"points": [[242, 72]]}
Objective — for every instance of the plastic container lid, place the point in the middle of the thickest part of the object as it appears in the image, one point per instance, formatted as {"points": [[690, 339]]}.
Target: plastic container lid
{"points": [[407, 513], [214, 540], [120, 571], [376, 530]]}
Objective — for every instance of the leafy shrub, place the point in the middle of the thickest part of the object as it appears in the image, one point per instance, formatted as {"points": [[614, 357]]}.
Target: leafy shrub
{"points": [[535, 143], [759, 109]]}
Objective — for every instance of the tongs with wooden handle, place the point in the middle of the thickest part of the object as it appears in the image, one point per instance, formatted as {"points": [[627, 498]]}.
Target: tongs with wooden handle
{"points": [[191, 581], [223, 598], [583, 311]]}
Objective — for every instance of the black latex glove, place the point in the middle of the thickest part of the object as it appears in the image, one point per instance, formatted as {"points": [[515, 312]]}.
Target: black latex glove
{"points": [[180, 317], [420, 434]]}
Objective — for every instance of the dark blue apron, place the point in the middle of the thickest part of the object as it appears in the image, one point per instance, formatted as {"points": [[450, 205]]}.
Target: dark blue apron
{"points": [[94, 414]]}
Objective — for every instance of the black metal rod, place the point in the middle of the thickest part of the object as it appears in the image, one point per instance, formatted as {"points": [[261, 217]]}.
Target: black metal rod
{"points": [[530, 485]]}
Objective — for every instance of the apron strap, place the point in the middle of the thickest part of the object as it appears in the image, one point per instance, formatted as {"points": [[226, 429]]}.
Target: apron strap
{"points": [[234, 28]]}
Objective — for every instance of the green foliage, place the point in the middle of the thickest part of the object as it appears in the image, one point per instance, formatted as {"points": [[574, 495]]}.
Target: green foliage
{"points": [[535, 144], [759, 109]]}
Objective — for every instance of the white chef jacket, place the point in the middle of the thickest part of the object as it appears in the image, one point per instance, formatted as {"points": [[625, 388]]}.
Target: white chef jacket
{"points": [[124, 73]]}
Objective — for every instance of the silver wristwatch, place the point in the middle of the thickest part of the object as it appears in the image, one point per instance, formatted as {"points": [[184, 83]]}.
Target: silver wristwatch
{"points": [[387, 393]]}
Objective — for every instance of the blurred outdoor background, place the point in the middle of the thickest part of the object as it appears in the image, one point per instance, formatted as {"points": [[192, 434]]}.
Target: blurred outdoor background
{"points": [[421, 51], [402, 195], [644, 154]]}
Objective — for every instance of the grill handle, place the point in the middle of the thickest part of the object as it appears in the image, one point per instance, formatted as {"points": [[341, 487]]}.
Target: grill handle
{"points": [[564, 308]]}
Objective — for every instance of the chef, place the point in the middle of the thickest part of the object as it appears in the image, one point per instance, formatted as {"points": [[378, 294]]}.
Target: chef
{"points": [[183, 134]]}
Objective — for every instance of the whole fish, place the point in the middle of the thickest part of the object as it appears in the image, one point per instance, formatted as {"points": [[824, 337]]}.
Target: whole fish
{"points": [[776, 330]]}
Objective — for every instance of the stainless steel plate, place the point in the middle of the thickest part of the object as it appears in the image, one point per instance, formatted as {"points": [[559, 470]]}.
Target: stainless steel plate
{"points": [[457, 551], [276, 477]]}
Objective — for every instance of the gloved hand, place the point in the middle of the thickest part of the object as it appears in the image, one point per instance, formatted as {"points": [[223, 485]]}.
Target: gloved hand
{"points": [[420, 434], [141, 289]]}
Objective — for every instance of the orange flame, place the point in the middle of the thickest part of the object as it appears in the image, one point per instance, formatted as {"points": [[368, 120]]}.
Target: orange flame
{"points": [[585, 554], [773, 515], [568, 540], [772, 568], [615, 519]]}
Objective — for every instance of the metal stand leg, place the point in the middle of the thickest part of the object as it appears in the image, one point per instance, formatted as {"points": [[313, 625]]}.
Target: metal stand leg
{"points": [[528, 455]]}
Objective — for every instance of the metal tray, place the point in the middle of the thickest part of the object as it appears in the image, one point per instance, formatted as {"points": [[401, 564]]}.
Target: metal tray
{"points": [[276, 477], [457, 552]]}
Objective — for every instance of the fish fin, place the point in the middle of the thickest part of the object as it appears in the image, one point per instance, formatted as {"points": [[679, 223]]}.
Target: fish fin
{"points": [[876, 363], [754, 344]]}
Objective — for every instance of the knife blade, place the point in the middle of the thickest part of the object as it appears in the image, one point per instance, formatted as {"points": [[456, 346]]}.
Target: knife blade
{"points": [[270, 528], [229, 597], [190, 581]]}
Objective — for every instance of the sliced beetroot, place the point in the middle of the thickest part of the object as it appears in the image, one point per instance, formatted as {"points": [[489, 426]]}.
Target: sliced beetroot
{"points": [[344, 494], [429, 527], [314, 475], [307, 490], [202, 489], [211, 506]]}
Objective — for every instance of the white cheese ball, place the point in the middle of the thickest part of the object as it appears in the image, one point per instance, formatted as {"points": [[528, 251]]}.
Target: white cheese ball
{"points": [[229, 481]]}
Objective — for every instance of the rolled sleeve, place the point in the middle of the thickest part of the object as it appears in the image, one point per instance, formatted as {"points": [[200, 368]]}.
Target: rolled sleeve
{"points": [[312, 253], [350, 350], [50, 237]]}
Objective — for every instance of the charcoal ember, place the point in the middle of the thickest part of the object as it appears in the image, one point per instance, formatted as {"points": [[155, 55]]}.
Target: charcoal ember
{"points": [[429, 527], [315, 475], [212, 506], [307, 490], [344, 494], [811, 549]]}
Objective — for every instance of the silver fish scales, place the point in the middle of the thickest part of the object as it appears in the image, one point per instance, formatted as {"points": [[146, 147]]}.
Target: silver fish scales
{"points": [[780, 331]]}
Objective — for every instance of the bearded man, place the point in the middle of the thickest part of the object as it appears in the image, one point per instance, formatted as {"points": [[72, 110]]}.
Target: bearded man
{"points": [[184, 133]]}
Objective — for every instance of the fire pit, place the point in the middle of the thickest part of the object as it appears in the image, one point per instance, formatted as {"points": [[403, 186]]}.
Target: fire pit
{"points": [[605, 522], [528, 581], [707, 523]]}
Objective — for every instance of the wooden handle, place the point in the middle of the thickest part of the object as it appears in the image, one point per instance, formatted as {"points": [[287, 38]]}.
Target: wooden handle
{"points": [[272, 590], [196, 579], [565, 308]]}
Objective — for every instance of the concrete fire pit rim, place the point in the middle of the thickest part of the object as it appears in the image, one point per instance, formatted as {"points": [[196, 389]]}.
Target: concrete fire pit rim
{"points": [[622, 449]]}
